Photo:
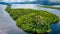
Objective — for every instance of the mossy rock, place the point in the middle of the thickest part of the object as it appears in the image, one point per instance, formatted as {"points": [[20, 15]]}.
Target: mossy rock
{"points": [[33, 21]]}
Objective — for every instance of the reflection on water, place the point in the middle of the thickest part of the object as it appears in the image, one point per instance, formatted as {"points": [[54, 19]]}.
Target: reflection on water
{"points": [[8, 26], [24, 6]]}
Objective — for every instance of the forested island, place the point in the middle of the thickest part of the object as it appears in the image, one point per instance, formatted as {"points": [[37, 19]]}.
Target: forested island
{"points": [[33, 21], [58, 8]]}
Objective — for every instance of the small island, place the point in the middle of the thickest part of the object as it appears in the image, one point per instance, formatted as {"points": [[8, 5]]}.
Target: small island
{"points": [[58, 8], [33, 21]]}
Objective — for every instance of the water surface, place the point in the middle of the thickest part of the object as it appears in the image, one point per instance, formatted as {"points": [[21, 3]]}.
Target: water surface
{"points": [[8, 25]]}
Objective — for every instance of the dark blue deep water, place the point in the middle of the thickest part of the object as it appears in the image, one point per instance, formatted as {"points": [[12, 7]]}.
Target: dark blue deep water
{"points": [[41, 2]]}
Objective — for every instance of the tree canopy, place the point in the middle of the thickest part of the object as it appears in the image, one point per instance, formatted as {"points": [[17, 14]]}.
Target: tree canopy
{"points": [[31, 20]]}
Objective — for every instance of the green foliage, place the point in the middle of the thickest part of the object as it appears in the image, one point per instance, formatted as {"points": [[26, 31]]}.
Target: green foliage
{"points": [[31, 20], [15, 13]]}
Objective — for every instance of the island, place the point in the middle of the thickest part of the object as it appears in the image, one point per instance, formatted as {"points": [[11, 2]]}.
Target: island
{"points": [[58, 8], [33, 21]]}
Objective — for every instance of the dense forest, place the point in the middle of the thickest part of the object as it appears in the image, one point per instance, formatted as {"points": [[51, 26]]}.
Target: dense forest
{"points": [[33, 21]]}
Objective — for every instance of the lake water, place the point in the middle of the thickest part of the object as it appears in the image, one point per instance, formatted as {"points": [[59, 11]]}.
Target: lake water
{"points": [[8, 25]]}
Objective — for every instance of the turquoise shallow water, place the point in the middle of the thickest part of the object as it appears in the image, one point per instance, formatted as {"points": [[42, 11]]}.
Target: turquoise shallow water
{"points": [[8, 26]]}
